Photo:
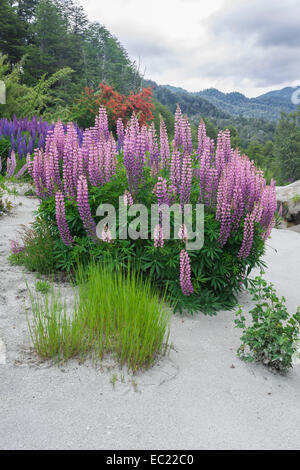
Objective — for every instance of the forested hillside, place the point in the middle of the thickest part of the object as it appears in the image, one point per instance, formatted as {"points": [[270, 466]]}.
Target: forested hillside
{"points": [[193, 106], [49, 35], [267, 106]]}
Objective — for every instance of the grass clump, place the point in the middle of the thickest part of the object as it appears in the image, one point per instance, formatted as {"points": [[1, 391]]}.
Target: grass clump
{"points": [[38, 247], [114, 313], [42, 286]]}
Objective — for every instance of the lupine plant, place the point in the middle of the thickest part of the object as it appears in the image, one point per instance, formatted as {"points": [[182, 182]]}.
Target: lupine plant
{"points": [[74, 174], [21, 136]]}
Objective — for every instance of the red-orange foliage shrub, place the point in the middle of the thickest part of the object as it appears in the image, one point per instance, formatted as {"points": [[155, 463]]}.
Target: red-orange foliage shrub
{"points": [[117, 105]]}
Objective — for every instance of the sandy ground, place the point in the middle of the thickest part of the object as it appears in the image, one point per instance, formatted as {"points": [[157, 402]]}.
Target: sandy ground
{"points": [[199, 397]]}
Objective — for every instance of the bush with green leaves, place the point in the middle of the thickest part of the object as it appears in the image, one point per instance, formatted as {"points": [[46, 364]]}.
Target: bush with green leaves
{"points": [[74, 176], [218, 273], [273, 335]]}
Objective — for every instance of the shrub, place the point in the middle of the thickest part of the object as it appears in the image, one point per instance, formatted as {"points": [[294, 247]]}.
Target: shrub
{"points": [[114, 313], [42, 286], [74, 177], [4, 152], [118, 106], [273, 335], [36, 251]]}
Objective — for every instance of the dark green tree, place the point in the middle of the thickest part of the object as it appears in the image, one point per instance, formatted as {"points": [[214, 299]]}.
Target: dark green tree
{"points": [[12, 31], [287, 146]]}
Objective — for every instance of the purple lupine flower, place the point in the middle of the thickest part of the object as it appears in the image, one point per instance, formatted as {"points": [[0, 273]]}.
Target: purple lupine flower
{"points": [[61, 219], [11, 164], [16, 248], [186, 135], [21, 171], [177, 129], [153, 146], [186, 180], [128, 201], [176, 169], [164, 145], [161, 191], [134, 154], [185, 274], [84, 208], [248, 237], [201, 137], [101, 123], [120, 133]]}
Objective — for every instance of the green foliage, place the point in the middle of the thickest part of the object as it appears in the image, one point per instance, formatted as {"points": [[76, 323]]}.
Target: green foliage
{"points": [[5, 145], [12, 31], [113, 313], [165, 113], [38, 249], [23, 100], [42, 286], [53, 36], [296, 199], [287, 147], [273, 335]]}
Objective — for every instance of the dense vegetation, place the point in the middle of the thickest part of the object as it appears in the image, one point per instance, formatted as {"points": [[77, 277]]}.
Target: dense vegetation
{"points": [[77, 172], [52, 58], [51, 35]]}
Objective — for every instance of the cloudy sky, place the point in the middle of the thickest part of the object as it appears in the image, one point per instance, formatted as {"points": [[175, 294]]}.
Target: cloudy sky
{"points": [[251, 46]]}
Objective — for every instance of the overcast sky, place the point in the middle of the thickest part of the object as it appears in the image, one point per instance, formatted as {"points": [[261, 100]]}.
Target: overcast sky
{"points": [[251, 46]]}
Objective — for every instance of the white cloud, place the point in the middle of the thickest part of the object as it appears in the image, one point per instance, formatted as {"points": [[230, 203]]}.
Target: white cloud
{"points": [[239, 45]]}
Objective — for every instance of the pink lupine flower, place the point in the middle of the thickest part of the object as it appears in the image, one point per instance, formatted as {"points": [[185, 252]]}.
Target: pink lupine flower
{"points": [[106, 235], [176, 169], [161, 191], [84, 208], [11, 164], [120, 133], [186, 179], [21, 171], [185, 273], [201, 137], [183, 233], [248, 237], [61, 219], [128, 201], [164, 145]]}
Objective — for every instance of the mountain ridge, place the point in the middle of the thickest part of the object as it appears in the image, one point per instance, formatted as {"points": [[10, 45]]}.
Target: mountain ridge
{"points": [[267, 106]]}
